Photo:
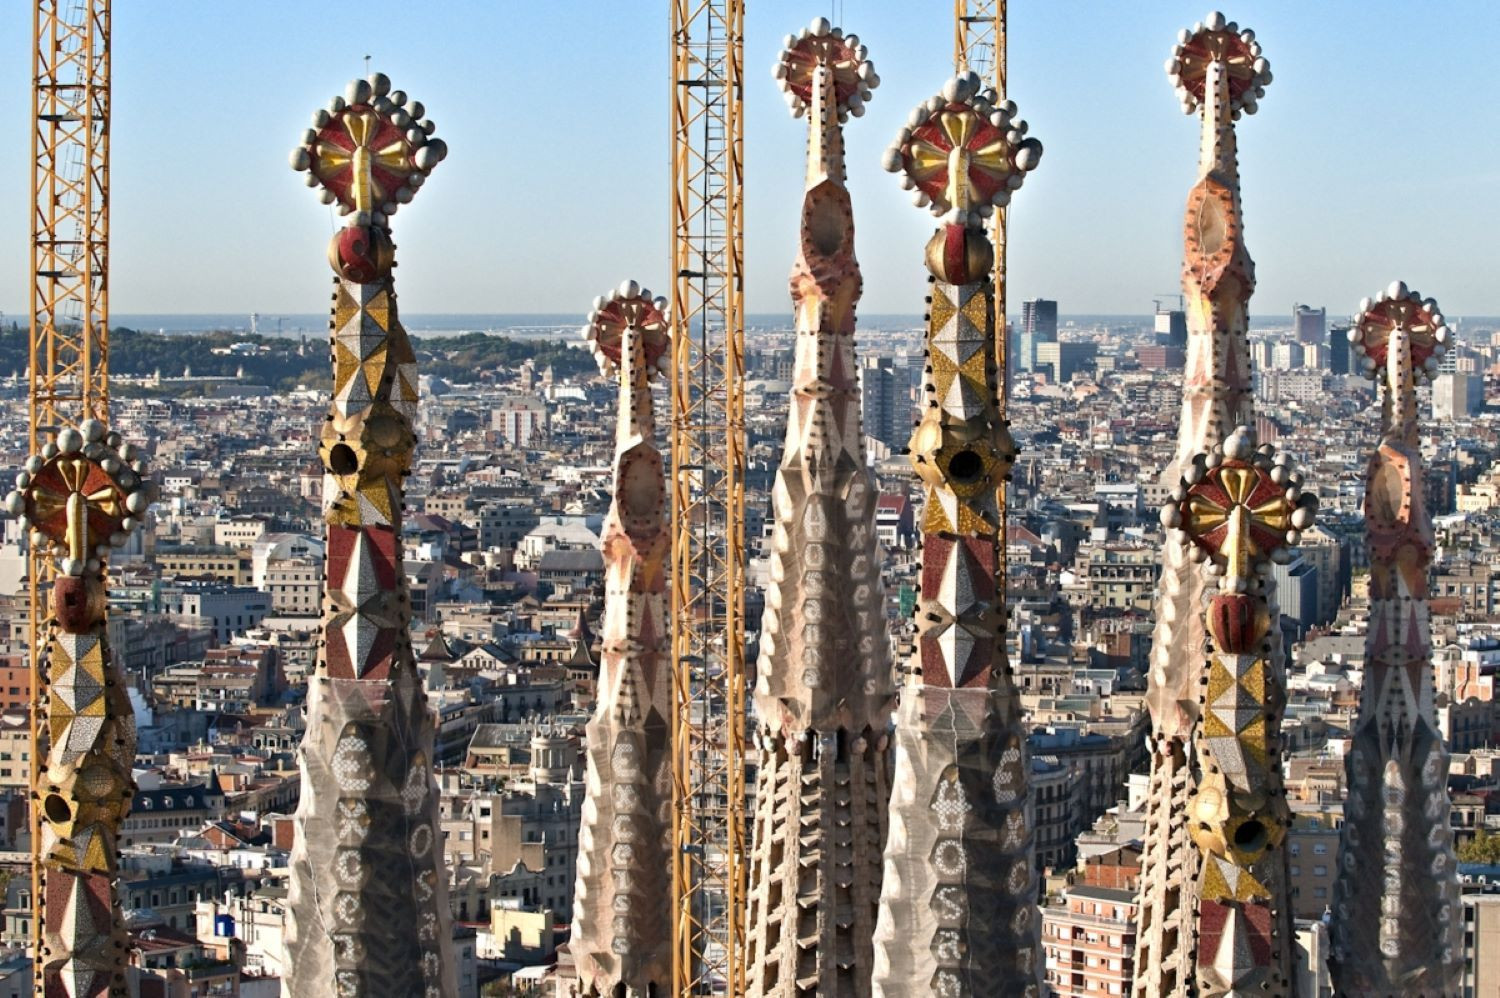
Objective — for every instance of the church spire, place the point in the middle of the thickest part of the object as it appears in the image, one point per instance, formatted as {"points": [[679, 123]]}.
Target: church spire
{"points": [[1396, 901], [958, 912], [368, 907], [823, 686]]}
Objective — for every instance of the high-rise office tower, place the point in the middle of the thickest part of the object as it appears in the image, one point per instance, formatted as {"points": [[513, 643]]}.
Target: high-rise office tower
{"points": [[1038, 325], [1338, 348], [824, 685], [368, 905], [1396, 927], [1214, 918], [1286, 356], [883, 400], [1171, 326], [1457, 395], [958, 913], [1309, 324], [1061, 361]]}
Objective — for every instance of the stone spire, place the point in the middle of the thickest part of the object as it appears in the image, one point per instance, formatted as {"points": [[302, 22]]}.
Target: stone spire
{"points": [[1238, 509], [81, 496], [1219, 74], [958, 911], [1396, 926], [824, 685], [622, 918], [368, 907]]}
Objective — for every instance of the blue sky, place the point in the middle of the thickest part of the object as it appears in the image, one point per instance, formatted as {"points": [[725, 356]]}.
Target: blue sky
{"points": [[1376, 153]]}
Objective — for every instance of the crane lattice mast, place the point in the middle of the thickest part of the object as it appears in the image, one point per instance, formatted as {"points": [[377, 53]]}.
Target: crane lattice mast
{"points": [[69, 339], [81, 493], [979, 46], [708, 498]]}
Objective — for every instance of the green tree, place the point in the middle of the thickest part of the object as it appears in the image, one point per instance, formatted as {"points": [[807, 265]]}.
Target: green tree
{"points": [[1482, 848]]}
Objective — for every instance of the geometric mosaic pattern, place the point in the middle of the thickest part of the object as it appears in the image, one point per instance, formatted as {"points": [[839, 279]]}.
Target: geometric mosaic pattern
{"points": [[368, 910], [958, 912], [1240, 508], [1396, 925], [80, 497], [824, 683], [621, 941], [1214, 919]]}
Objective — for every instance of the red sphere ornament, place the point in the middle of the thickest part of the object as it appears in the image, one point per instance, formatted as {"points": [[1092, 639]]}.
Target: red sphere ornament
{"points": [[362, 253]]}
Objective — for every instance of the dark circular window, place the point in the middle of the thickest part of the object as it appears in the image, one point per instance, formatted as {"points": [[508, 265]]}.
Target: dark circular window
{"points": [[1250, 836], [342, 460], [57, 808], [965, 467]]}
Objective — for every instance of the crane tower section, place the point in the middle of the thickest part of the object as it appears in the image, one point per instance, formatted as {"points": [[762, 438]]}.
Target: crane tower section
{"points": [[79, 495], [979, 46], [70, 214], [708, 499]]}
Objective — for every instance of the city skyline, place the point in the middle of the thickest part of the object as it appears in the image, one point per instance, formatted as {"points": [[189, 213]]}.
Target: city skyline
{"points": [[1110, 653], [1316, 166]]}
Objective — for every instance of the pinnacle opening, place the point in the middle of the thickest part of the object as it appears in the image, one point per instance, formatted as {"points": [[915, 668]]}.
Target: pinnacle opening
{"points": [[965, 467]]}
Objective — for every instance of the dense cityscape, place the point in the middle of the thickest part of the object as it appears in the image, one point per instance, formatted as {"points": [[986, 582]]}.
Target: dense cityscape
{"points": [[215, 606], [648, 647]]}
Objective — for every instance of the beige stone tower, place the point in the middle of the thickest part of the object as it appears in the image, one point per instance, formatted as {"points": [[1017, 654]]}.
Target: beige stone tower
{"points": [[368, 906], [824, 685], [1214, 916], [622, 925], [1397, 918]]}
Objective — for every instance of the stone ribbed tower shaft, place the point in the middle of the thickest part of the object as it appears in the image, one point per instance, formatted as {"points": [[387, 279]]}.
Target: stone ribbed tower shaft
{"points": [[958, 911], [1218, 278], [622, 923], [824, 685], [368, 909], [1396, 913]]}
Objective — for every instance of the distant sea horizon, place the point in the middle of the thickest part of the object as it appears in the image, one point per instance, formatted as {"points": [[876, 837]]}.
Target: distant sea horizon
{"points": [[564, 326]]}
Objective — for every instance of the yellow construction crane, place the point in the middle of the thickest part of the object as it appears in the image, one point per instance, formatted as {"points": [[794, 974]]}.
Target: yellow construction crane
{"points": [[708, 497], [70, 214], [979, 46], [69, 363]]}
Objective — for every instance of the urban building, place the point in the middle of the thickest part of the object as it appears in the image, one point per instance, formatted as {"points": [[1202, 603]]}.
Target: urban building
{"points": [[1338, 348], [1060, 361], [1308, 324], [1170, 326], [1038, 326], [884, 403], [1457, 395], [519, 420], [1089, 942]]}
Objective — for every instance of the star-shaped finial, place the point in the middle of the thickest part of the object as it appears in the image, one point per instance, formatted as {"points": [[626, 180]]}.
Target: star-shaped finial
{"points": [[1398, 307], [822, 44], [1215, 40], [629, 305]]}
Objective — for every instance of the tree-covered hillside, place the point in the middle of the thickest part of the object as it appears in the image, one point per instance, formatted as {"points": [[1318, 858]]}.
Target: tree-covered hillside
{"points": [[284, 363]]}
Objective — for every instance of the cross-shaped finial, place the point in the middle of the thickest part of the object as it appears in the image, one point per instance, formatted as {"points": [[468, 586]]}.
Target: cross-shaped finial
{"points": [[1216, 41], [81, 496], [1241, 508], [963, 153], [369, 150], [1399, 308]]}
